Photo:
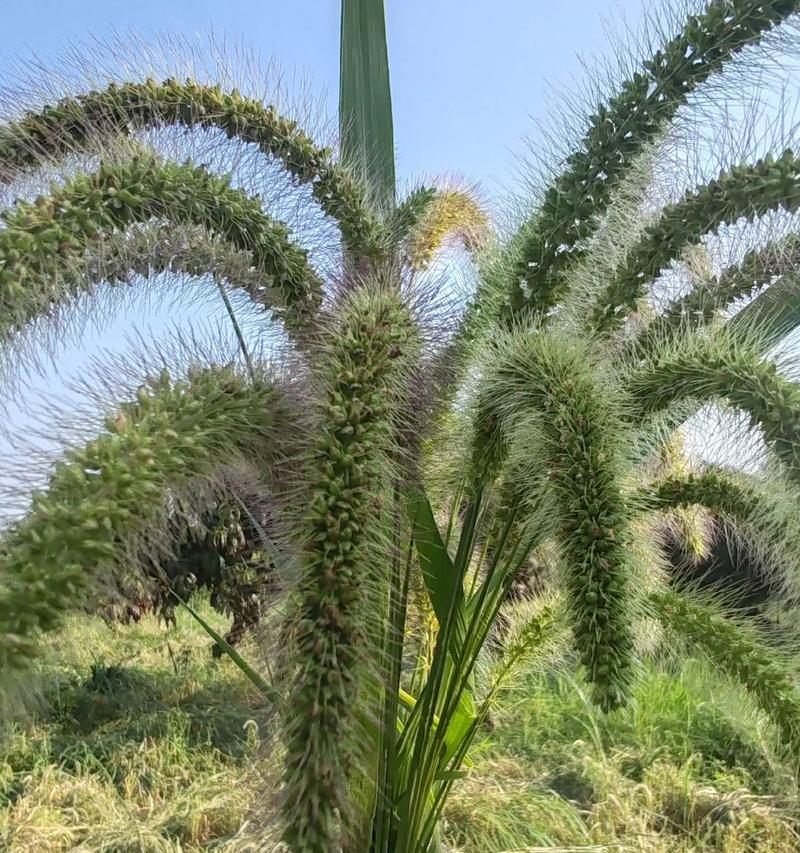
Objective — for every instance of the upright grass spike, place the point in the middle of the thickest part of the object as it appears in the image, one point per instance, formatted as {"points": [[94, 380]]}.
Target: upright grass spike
{"points": [[545, 392], [111, 491], [532, 629], [743, 192], [738, 654], [43, 243], [364, 368], [618, 132], [62, 128], [709, 368]]}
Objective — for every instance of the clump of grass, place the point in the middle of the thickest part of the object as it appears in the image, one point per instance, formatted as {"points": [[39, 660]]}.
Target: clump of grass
{"points": [[674, 771], [141, 743]]}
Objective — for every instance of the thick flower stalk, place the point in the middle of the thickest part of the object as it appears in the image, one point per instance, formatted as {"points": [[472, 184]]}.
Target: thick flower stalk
{"points": [[548, 398], [364, 369]]}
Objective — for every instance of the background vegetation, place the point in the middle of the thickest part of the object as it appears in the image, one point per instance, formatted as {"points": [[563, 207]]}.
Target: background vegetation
{"points": [[146, 743], [456, 530]]}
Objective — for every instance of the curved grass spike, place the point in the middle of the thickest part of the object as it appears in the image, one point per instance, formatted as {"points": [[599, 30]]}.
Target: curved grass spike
{"points": [[725, 492], [122, 108], [43, 242], [364, 367], [759, 267], [738, 654], [710, 368], [448, 213], [712, 488], [410, 211], [761, 506], [190, 250], [113, 489], [775, 313], [427, 217], [617, 134], [550, 381], [743, 192]]}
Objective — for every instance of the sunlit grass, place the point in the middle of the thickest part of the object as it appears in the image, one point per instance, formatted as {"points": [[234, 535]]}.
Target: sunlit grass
{"points": [[144, 742], [144, 745]]}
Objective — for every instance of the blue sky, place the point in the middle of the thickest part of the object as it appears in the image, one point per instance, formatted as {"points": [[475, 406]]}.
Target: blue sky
{"points": [[468, 76], [470, 79]]}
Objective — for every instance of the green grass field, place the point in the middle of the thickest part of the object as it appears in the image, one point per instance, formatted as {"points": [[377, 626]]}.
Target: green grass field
{"points": [[141, 741]]}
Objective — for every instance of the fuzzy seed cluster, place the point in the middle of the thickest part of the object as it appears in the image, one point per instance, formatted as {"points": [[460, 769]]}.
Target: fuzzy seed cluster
{"points": [[113, 488], [364, 370], [618, 131], [59, 128], [743, 192], [740, 656], [43, 239]]}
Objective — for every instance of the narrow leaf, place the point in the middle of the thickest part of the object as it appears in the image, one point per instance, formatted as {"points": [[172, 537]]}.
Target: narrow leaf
{"points": [[229, 650], [365, 99], [441, 579]]}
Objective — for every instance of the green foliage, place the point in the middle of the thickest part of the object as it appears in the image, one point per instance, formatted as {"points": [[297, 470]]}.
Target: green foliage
{"points": [[684, 768], [366, 124], [143, 744], [148, 743], [392, 635]]}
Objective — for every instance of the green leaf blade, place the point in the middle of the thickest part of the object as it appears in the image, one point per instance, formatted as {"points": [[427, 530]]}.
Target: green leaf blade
{"points": [[365, 99]]}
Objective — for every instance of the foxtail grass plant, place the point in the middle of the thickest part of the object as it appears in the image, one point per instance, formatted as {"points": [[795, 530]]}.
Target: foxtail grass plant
{"points": [[420, 447]]}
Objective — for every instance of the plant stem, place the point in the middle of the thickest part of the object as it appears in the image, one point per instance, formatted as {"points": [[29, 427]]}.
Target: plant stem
{"points": [[237, 329]]}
